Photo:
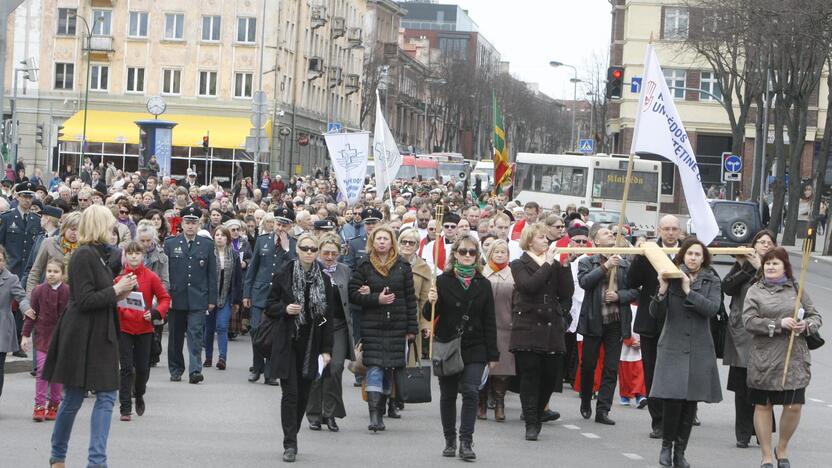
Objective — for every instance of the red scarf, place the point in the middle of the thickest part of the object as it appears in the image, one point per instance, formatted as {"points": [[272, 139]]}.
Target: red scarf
{"points": [[495, 267], [518, 229], [439, 261]]}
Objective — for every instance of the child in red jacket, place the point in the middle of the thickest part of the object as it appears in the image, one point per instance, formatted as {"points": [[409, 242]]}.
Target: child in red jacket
{"points": [[137, 330], [49, 301]]}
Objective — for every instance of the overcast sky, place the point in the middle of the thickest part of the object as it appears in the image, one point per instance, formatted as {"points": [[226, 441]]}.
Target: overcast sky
{"points": [[530, 33]]}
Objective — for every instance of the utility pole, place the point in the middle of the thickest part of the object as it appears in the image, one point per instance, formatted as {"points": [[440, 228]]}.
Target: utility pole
{"points": [[8, 7]]}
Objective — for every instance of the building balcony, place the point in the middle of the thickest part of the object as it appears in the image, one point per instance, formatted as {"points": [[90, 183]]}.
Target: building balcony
{"points": [[101, 45], [103, 3]]}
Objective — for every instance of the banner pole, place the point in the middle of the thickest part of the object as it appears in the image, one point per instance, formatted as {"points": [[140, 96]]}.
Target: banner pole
{"points": [[439, 215], [807, 250], [612, 286]]}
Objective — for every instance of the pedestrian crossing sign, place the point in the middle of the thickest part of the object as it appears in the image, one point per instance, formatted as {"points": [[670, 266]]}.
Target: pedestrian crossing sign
{"points": [[586, 146]]}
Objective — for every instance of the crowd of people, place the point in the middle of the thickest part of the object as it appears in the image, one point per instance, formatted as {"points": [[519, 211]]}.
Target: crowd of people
{"points": [[95, 266]]}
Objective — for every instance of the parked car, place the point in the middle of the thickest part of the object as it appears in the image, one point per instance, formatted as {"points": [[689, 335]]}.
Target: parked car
{"points": [[738, 222]]}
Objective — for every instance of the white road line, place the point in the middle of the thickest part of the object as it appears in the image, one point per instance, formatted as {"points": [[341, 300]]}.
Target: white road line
{"points": [[633, 456], [590, 435], [816, 400], [571, 427]]}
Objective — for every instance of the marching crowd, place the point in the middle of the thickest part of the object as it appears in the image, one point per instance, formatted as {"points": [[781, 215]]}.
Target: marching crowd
{"points": [[94, 264]]}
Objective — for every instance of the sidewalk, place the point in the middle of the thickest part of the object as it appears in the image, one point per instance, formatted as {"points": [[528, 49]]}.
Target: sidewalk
{"points": [[796, 250]]}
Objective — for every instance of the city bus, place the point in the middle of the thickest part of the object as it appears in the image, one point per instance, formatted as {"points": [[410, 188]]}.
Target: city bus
{"points": [[596, 182], [450, 165], [410, 168]]}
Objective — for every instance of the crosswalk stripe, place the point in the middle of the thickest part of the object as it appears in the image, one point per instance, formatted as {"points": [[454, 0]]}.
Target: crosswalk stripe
{"points": [[633, 456], [590, 435]]}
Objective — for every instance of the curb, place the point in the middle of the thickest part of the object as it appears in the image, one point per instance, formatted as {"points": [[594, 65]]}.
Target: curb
{"points": [[815, 257]]}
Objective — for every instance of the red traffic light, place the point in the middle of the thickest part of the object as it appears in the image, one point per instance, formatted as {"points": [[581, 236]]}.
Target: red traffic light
{"points": [[617, 73]]}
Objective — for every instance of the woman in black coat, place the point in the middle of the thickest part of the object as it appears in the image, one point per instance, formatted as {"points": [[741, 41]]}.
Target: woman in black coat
{"points": [[542, 301], [300, 300], [84, 349], [382, 285], [464, 304]]}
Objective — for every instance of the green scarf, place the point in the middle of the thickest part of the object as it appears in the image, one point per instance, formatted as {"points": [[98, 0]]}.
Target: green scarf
{"points": [[464, 273]]}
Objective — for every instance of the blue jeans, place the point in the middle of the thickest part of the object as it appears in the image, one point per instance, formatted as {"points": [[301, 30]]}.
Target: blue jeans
{"points": [[99, 425], [217, 322], [379, 379], [181, 322]]}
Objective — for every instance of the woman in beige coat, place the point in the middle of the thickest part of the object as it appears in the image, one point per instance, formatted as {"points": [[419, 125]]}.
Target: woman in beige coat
{"points": [[768, 315], [502, 284], [58, 248]]}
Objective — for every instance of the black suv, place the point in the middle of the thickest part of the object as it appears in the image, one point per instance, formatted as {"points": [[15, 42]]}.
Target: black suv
{"points": [[738, 222]]}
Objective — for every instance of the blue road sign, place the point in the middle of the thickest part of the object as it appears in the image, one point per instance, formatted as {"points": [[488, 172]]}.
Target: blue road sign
{"points": [[333, 127], [586, 146], [731, 162], [635, 84]]}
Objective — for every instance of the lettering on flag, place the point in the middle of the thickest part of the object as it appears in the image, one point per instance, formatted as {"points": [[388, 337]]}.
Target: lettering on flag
{"points": [[348, 153]]}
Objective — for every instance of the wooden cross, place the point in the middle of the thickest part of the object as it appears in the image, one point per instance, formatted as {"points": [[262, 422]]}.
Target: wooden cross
{"points": [[657, 256]]}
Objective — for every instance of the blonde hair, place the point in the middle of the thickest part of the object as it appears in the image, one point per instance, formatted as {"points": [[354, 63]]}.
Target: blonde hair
{"points": [[411, 233], [394, 244], [70, 220], [451, 262], [305, 236], [528, 234], [330, 238], [96, 225], [493, 247]]}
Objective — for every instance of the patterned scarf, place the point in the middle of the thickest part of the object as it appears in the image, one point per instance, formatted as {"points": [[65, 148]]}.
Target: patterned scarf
{"points": [[383, 266], [68, 246], [224, 287], [317, 294], [465, 274]]}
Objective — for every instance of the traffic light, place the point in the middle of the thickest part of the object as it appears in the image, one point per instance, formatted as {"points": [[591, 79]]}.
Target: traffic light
{"points": [[615, 82], [39, 135], [205, 143]]}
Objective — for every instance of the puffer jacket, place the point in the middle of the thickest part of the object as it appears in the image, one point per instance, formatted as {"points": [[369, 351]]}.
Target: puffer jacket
{"points": [[769, 304], [384, 327]]}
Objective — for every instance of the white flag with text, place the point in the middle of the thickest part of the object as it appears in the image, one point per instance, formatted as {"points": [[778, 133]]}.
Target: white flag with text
{"points": [[385, 152], [348, 153], [660, 131]]}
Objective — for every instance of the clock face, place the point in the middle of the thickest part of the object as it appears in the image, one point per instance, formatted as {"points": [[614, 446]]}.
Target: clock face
{"points": [[156, 105]]}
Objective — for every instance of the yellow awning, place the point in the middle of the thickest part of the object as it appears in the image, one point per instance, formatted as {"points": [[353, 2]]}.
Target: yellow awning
{"points": [[120, 127]]}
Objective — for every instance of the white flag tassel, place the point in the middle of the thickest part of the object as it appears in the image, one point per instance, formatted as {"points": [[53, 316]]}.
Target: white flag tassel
{"points": [[659, 130], [385, 152], [349, 153]]}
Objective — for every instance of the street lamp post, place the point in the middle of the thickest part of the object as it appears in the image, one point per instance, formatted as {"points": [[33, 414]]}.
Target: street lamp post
{"points": [[574, 80], [87, 87]]}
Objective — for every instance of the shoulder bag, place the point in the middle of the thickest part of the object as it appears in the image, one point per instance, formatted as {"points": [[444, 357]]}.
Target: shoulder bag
{"points": [[447, 355], [263, 337], [413, 382]]}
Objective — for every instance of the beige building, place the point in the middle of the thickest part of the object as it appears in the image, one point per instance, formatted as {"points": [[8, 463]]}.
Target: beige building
{"points": [[634, 22], [204, 59]]}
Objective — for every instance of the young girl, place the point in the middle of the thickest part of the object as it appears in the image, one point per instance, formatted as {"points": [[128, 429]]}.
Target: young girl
{"points": [[10, 289], [630, 371], [49, 301], [137, 330]]}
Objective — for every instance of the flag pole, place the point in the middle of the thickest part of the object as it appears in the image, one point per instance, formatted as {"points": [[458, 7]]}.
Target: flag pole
{"points": [[439, 215], [613, 286], [807, 250]]}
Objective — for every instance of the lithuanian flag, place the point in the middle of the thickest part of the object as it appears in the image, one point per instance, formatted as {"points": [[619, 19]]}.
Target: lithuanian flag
{"points": [[502, 166]]}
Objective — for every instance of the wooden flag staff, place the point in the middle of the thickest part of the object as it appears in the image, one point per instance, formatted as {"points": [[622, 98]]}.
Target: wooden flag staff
{"points": [[807, 251], [439, 215], [612, 285]]}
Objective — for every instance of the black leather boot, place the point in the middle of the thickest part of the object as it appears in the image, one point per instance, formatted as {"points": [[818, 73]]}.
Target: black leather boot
{"points": [[679, 460], [393, 409], [380, 408], [532, 431], [450, 447], [666, 455], [372, 404], [465, 451]]}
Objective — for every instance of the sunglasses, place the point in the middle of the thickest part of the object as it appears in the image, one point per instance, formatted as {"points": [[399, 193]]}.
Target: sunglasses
{"points": [[83, 199], [449, 226], [123, 212], [467, 252], [581, 241], [407, 242], [306, 248], [559, 226]]}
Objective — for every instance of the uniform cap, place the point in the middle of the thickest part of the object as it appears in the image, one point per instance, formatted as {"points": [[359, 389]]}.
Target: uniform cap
{"points": [[25, 188], [191, 212], [284, 215], [53, 211], [371, 213], [325, 224]]}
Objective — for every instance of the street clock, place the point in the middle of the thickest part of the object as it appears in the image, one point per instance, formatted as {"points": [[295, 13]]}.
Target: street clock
{"points": [[156, 105]]}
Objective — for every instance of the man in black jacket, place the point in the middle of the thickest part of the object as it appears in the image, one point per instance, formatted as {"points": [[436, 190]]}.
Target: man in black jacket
{"points": [[606, 319], [643, 275]]}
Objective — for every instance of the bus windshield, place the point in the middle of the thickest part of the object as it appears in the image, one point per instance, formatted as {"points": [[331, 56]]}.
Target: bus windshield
{"points": [[406, 172], [558, 180], [609, 184]]}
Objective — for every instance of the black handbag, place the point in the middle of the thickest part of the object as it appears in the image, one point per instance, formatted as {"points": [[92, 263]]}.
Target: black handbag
{"points": [[719, 326], [447, 355], [814, 341], [413, 382], [263, 337]]}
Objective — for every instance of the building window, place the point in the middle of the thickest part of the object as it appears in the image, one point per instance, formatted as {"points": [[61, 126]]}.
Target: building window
{"points": [[102, 22], [676, 22], [99, 77], [208, 83], [174, 26], [66, 21], [211, 28], [138, 24], [171, 81], [242, 85], [708, 82], [675, 79], [135, 80], [246, 29], [64, 75]]}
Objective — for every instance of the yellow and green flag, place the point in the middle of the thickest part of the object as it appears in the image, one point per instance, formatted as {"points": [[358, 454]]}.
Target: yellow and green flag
{"points": [[502, 165]]}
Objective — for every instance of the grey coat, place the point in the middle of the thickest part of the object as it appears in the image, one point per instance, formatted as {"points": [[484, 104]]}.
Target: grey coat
{"points": [[50, 249], [591, 274], [341, 280], [737, 338], [686, 366], [157, 262], [10, 289], [769, 304]]}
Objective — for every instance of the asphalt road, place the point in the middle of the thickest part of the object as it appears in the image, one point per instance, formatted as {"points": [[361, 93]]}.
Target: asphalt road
{"points": [[228, 422]]}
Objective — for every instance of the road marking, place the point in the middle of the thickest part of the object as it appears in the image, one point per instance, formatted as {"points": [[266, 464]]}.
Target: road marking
{"points": [[571, 427], [590, 435], [829, 406], [816, 400], [633, 456]]}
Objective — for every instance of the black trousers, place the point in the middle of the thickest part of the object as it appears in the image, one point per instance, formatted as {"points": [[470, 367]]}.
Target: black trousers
{"points": [[538, 375], [467, 383], [295, 397], [743, 409], [2, 371], [326, 395], [611, 339], [156, 345], [649, 349], [134, 358], [677, 420], [570, 359]]}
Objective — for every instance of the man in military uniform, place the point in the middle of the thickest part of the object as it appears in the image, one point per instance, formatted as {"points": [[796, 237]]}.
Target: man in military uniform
{"points": [[271, 252], [193, 291], [358, 245], [18, 229]]}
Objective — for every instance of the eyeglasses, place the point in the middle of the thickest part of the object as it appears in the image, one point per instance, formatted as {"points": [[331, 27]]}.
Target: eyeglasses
{"points": [[580, 241], [307, 248], [83, 199], [329, 253], [558, 226], [467, 252], [123, 212], [407, 242], [764, 242], [424, 220], [449, 226], [431, 229]]}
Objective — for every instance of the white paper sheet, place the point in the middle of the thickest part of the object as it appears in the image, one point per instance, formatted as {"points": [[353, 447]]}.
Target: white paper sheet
{"points": [[134, 301]]}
